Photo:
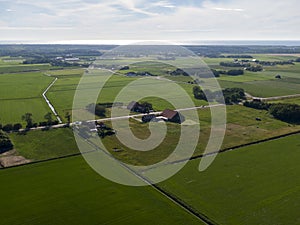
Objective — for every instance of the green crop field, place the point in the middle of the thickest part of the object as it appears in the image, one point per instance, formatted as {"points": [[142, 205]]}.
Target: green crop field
{"points": [[67, 191], [253, 185]]}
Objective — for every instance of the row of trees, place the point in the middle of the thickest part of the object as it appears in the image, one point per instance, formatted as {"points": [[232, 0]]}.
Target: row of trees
{"points": [[283, 111], [27, 117]]}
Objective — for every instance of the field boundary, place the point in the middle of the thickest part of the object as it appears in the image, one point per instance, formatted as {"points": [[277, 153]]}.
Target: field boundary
{"points": [[178, 161], [48, 101]]}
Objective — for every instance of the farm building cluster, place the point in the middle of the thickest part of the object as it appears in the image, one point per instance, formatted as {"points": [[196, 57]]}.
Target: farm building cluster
{"points": [[167, 115]]}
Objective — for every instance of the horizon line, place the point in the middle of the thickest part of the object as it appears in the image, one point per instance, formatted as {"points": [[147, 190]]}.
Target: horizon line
{"points": [[287, 42]]}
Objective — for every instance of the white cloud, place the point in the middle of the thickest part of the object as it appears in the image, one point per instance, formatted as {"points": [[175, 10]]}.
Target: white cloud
{"points": [[142, 19], [10, 10], [165, 4], [229, 9]]}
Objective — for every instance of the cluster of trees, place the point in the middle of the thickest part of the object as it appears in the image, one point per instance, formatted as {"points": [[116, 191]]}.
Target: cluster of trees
{"points": [[52, 51], [216, 72], [240, 56], [97, 109], [235, 72], [231, 95], [104, 130], [179, 72], [254, 68], [199, 93], [257, 104], [11, 127], [55, 62], [5, 143], [283, 111], [139, 74], [235, 64]]}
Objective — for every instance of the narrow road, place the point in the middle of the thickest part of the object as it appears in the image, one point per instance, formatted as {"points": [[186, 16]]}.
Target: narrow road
{"points": [[272, 98], [48, 102], [154, 113]]}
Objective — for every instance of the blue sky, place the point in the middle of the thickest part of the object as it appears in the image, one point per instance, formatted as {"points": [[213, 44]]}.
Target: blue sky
{"points": [[182, 21]]}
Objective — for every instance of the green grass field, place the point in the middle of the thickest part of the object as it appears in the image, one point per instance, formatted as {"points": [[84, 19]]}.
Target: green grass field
{"points": [[41, 145], [253, 185], [67, 191]]}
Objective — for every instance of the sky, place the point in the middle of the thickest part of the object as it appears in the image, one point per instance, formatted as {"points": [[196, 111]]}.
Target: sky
{"points": [[121, 21]]}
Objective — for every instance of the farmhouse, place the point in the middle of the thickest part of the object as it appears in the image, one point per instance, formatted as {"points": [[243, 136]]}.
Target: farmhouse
{"points": [[173, 116]]}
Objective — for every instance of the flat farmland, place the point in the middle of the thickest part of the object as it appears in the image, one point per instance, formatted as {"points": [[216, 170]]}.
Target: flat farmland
{"points": [[67, 191], [257, 184], [22, 93]]}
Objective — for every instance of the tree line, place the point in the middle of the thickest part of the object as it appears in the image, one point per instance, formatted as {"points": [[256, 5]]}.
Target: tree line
{"points": [[283, 111]]}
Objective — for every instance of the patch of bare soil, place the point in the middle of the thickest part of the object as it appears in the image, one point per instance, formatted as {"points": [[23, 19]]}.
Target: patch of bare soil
{"points": [[11, 158]]}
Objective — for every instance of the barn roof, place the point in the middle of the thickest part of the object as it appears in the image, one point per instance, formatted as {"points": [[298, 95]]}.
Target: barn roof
{"points": [[168, 113]]}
